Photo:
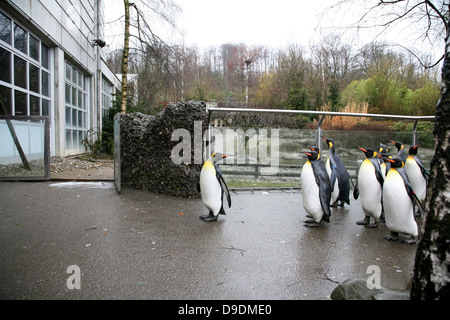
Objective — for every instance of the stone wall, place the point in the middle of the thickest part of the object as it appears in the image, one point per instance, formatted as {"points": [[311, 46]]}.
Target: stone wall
{"points": [[146, 149]]}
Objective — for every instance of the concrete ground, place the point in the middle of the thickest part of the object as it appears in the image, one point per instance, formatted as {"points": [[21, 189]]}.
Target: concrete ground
{"points": [[140, 245]]}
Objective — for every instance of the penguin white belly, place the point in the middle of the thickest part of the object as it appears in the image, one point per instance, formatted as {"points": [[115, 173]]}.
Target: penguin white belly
{"points": [[310, 193], [398, 208], [210, 188], [416, 179], [335, 193], [369, 190]]}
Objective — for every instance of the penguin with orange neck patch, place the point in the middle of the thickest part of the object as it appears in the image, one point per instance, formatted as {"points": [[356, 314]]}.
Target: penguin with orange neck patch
{"points": [[398, 199], [339, 176], [213, 188], [316, 190]]}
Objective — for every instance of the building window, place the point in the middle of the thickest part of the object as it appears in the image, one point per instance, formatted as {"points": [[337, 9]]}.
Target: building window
{"points": [[107, 97], [76, 107], [25, 75]]}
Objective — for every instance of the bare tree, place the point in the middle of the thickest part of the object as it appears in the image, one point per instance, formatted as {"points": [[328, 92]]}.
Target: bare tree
{"points": [[146, 38]]}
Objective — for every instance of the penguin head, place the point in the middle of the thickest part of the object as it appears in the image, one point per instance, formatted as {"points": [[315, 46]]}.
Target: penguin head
{"points": [[395, 162], [316, 149], [329, 142], [383, 149], [398, 144], [370, 153], [217, 156], [413, 150], [312, 155]]}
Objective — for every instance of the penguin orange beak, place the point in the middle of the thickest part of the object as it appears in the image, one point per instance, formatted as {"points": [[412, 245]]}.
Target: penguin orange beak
{"points": [[362, 149], [390, 160], [307, 153]]}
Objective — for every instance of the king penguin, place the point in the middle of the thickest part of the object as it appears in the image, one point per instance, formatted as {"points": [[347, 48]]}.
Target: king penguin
{"points": [[383, 151], [370, 187], [316, 190], [213, 187], [417, 174], [400, 150], [336, 170], [398, 198]]}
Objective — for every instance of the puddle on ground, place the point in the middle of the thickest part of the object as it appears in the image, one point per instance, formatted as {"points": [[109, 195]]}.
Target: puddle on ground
{"points": [[85, 185]]}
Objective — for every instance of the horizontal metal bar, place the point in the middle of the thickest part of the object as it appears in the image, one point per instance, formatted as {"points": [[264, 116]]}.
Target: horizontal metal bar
{"points": [[328, 113]]}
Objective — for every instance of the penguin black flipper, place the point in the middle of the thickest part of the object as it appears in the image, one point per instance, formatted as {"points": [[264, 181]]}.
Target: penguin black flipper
{"points": [[323, 181], [223, 185], [424, 171], [378, 173], [356, 191], [334, 175], [325, 198], [412, 195], [198, 187]]}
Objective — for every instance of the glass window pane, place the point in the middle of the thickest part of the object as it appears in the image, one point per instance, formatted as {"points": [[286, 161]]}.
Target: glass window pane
{"points": [[5, 29], [80, 119], [20, 39], [35, 109], [5, 62], [80, 99], [20, 103], [68, 72], [44, 55], [74, 118], [74, 139], [6, 96], [20, 74], [45, 107], [80, 80], [80, 138], [67, 93], [68, 139], [75, 76], [74, 96], [68, 116], [34, 48], [45, 84], [34, 78]]}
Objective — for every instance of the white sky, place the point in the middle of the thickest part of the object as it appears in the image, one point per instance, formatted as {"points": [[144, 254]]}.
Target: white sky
{"points": [[272, 23]]}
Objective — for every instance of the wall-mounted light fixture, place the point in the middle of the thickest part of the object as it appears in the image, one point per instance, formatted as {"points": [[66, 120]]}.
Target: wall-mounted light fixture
{"points": [[98, 42]]}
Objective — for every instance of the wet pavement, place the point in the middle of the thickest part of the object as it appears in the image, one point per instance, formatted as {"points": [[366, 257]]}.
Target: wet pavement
{"points": [[141, 245]]}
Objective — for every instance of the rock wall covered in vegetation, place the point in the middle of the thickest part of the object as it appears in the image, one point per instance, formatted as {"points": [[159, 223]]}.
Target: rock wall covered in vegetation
{"points": [[146, 149]]}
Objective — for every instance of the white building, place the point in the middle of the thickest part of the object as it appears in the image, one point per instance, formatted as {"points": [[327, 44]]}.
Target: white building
{"points": [[51, 64]]}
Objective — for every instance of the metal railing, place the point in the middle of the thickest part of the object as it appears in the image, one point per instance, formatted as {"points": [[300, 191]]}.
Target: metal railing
{"points": [[323, 114]]}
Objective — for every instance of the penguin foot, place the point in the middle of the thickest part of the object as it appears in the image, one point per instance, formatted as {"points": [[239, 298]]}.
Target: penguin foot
{"points": [[208, 218], [364, 222], [311, 224], [393, 236], [410, 240], [334, 205], [373, 225]]}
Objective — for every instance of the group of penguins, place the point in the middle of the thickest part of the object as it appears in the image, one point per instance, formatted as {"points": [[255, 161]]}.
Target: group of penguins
{"points": [[389, 188]]}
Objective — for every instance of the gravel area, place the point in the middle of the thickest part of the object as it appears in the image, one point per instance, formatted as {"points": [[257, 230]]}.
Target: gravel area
{"points": [[81, 168]]}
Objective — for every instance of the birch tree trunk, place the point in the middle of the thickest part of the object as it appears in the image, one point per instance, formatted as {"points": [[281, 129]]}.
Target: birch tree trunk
{"points": [[126, 48], [432, 263]]}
